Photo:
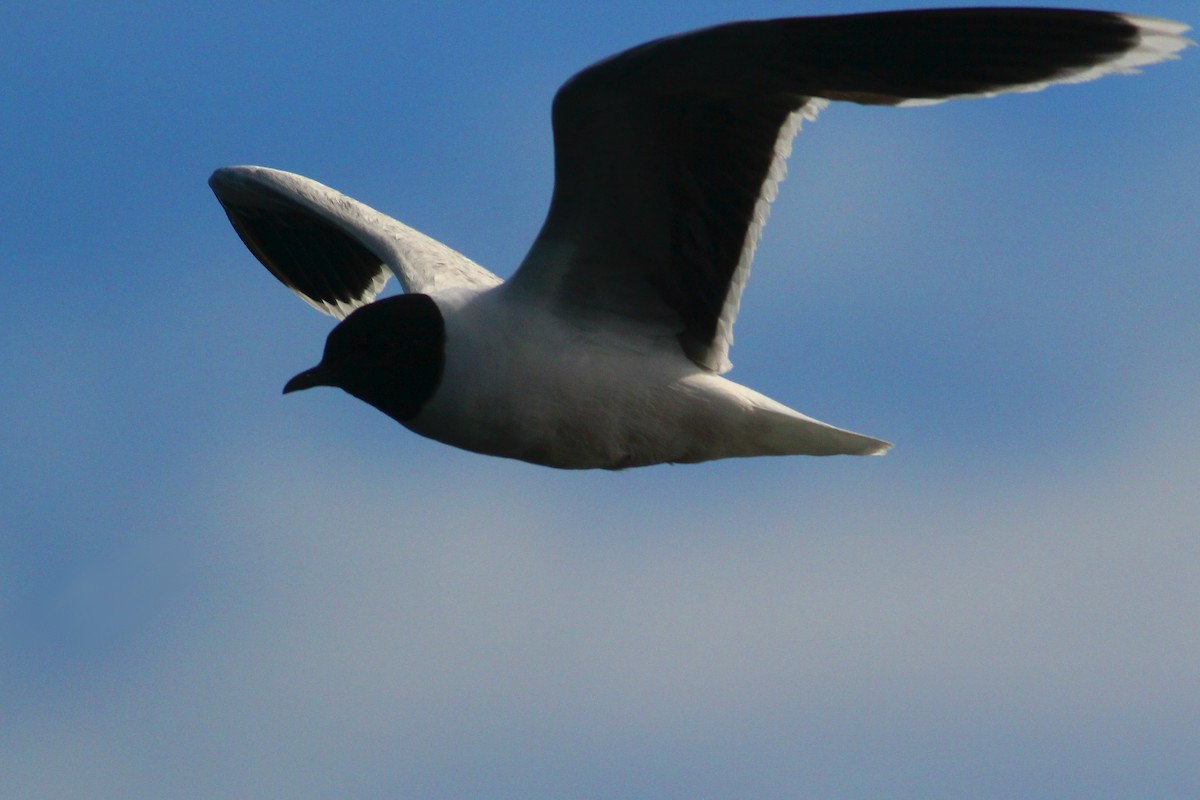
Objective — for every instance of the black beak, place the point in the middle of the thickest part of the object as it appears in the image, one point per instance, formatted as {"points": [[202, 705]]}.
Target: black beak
{"points": [[317, 376]]}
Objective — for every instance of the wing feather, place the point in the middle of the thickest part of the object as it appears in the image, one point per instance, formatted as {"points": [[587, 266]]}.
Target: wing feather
{"points": [[668, 155]]}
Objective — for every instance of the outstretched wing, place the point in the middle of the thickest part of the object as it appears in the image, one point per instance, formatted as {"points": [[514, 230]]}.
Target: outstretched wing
{"points": [[667, 155], [333, 251]]}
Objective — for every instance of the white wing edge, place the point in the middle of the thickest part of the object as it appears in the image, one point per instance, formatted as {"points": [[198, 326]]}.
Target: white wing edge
{"points": [[718, 355], [1158, 40]]}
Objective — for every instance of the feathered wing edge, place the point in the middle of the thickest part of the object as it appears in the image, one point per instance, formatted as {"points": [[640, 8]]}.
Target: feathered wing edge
{"points": [[1159, 40], [333, 251], [718, 355]]}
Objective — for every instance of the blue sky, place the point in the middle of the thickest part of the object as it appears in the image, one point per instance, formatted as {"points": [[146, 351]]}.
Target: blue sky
{"points": [[210, 590]]}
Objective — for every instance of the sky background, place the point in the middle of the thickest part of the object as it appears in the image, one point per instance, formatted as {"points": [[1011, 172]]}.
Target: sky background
{"points": [[208, 590]]}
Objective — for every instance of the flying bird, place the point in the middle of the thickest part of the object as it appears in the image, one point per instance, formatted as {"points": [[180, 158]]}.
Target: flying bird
{"points": [[607, 346]]}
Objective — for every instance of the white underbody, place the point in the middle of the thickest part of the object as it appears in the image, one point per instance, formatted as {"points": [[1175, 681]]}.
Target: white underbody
{"points": [[523, 383]]}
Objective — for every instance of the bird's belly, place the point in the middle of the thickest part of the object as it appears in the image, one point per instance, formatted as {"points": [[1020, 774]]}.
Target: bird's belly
{"points": [[593, 419], [581, 404], [561, 416]]}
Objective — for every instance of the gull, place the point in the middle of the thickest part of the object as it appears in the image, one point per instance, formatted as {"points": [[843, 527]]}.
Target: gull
{"points": [[606, 348]]}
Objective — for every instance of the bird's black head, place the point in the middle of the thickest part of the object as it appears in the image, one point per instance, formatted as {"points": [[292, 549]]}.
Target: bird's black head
{"points": [[388, 353]]}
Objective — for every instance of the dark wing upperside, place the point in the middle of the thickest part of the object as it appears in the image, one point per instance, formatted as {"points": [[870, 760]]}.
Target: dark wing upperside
{"points": [[667, 155]]}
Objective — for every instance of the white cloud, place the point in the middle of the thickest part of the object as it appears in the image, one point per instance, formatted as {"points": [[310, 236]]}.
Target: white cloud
{"points": [[371, 617]]}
